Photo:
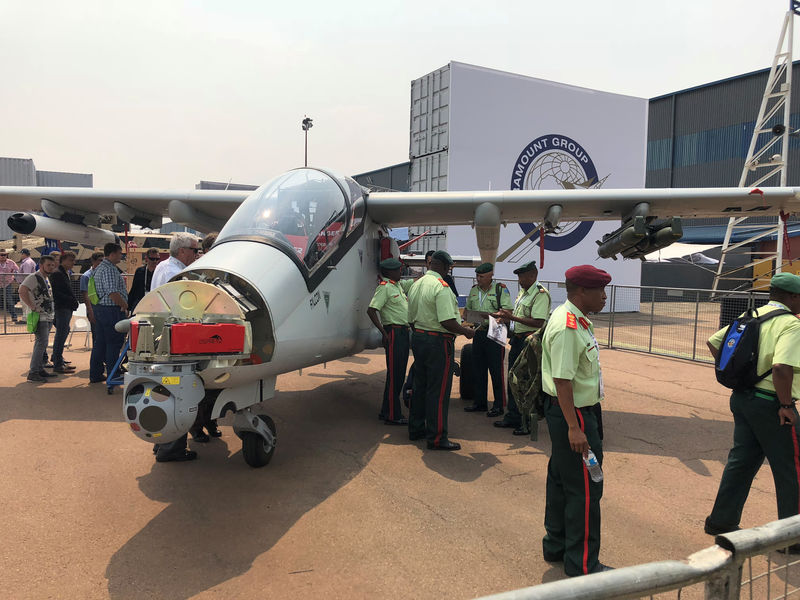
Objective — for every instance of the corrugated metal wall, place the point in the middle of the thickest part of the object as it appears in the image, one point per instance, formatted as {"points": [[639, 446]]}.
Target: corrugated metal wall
{"points": [[430, 131], [395, 178], [59, 179], [700, 137]]}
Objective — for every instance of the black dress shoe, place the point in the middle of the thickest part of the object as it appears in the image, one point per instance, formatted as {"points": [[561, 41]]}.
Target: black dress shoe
{"points": [[600, 568], [400, 421], [63, 369], [520, 431], [445, 445], [712, 528], [97, 380], [180, 457], [474, 408], [415, 436], [793, 549], [552, 558], [44, 373], [505, 424], [200, 437], [495, 412], [213, 431]]}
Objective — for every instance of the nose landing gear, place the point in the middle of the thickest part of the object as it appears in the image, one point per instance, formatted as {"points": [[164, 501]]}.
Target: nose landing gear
{"points": [[258, 435]]}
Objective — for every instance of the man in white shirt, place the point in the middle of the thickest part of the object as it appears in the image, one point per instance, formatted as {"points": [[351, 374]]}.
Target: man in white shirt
{"points": [[183, 249]]}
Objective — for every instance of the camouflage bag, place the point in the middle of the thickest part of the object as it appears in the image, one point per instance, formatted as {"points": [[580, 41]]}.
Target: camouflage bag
{"points": [[525, 379]]}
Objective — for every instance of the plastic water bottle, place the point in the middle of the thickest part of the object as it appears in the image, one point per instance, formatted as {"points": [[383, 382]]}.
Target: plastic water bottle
{"points": [[595, 472]]}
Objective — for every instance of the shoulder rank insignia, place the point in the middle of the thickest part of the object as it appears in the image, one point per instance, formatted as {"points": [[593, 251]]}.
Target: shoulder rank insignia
{"points": [[542, 288], [383, 283], [443, 282], [571, 321]]}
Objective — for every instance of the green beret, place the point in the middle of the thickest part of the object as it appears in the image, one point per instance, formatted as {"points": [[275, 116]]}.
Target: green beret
{"points": [[528, 266], [390, 264], [787, 282], [442, 257], [484, 268]]}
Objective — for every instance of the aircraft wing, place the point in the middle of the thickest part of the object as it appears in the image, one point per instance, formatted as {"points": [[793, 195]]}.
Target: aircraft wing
{"points": [[396, 209], [208, 206]]}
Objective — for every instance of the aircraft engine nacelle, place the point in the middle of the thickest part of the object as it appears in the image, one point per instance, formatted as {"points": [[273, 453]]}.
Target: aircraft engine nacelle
{"points": [[30, 224], [637, 238]]}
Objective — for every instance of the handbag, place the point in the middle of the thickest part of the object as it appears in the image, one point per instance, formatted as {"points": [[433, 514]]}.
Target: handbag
{"points": [[33, 321]]}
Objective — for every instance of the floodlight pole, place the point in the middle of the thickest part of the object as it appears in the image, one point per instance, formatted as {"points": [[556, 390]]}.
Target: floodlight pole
{"points": [[306, 125]]}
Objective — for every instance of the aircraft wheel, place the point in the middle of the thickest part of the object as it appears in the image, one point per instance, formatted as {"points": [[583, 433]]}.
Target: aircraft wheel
{"points": [[254, 448], [466, 381]]}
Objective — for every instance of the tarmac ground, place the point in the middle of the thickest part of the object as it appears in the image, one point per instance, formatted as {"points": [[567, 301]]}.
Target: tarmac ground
{"points": [[348, 507]]}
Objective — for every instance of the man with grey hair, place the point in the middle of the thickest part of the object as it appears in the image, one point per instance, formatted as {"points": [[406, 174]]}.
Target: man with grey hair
{"points": [[183, 249]]}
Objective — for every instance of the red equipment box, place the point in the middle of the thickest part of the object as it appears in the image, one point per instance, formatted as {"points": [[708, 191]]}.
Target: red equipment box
{"points": [[206, 338]]}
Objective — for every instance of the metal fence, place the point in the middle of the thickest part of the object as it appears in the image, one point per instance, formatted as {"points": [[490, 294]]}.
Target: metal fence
{"points": [[742, 564], [658, 320]]}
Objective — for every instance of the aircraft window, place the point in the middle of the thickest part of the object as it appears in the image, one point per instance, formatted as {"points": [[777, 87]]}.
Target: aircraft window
{"points": [[357, 204], [303, 210]]}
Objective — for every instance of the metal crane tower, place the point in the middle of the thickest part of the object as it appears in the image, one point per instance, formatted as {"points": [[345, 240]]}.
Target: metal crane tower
{"points": [[766, 164]]}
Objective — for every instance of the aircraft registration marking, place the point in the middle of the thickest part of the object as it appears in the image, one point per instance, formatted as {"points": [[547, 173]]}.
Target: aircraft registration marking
{"points": [[170, 380]]}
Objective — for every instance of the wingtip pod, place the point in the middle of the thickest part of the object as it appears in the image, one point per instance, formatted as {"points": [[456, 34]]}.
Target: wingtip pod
{"points": [[28, 224]]}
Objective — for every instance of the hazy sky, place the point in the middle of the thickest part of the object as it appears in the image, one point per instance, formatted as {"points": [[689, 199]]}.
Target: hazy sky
{"points": [[160, 94]]}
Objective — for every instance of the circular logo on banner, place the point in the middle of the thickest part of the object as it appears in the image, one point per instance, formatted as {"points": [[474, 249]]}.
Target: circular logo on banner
{"points": [[555, 162]]}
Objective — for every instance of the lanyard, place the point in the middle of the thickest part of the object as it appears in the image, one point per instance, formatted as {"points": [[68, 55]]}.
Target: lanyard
{"points": [[481, 298]]}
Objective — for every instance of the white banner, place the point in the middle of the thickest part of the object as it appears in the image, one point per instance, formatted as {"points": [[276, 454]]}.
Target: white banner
{"points": [[507, 131]]}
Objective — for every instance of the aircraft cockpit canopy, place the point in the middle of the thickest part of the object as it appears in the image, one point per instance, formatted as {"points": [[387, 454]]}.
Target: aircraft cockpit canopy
{"points": [[306, 212]]}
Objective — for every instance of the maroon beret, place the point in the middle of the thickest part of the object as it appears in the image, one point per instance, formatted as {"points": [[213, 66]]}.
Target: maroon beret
{"points": [[588, 276]]}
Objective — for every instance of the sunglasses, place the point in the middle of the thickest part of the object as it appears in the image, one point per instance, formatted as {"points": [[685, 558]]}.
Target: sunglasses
{"points": [[153, 258]]}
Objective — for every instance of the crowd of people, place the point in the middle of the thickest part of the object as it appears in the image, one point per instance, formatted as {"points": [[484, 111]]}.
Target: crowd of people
{"points": [[423, 311], [49, 300]]}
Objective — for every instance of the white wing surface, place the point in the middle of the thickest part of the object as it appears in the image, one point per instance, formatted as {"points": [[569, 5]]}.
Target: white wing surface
{"points": [[219, 204], [458, 208]]}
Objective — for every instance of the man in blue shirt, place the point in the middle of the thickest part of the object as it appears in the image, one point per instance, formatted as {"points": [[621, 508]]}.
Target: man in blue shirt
{"points": [[111, 307]]}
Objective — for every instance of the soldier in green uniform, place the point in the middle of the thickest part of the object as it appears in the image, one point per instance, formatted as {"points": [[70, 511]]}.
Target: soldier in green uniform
{"points": [[388, 310], [573, 384], [765, 422], [531, 309], [487, 297], [433, 312]]}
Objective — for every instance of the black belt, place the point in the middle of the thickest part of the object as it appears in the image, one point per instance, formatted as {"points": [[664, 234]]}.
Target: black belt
{"points": [[393, 325], [438, 333]]}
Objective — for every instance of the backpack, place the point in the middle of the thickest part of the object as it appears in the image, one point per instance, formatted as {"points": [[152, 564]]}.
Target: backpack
{"points": [[525, 379], [736, 366], [92, 291]]}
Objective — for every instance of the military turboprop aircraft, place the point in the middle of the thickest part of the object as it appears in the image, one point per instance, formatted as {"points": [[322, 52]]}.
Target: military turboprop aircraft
{"points": [[288, 281]]}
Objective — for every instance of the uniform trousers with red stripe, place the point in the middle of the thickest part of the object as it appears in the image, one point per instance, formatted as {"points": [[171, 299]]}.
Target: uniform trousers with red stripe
{"points": [[572, 510], [396, 363], [757, 433], [433, 378], [487, 356]]}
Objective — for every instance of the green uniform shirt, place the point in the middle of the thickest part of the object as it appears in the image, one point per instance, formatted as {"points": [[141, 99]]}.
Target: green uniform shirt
{"points": [[778, 344], [570, 351], [487, 301], [430, 301], [391, 302], [533, 303]]}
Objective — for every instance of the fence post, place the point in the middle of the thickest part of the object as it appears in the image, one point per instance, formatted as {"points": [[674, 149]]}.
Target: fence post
{"points": [[652, 316], [611, 319], [725, 584], [696, 317], [5, 312]]}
